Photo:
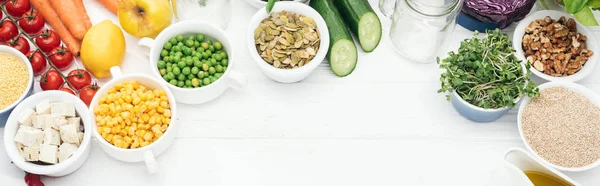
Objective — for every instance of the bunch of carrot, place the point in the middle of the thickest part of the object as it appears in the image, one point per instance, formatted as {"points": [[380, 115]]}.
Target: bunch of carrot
{"points": [[68, 18], [112, 5]]}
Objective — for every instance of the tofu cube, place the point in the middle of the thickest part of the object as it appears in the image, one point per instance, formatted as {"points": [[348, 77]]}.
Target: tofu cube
{"points": [[68, 134], [62, 109], [74, 121], [26, 117], [43, 107], [33, 138], [80, 134], [39, 121], [55, 122], [65, 151], [20, 136], [52, 137], [20, 147], [48, 153], [31, 153]]}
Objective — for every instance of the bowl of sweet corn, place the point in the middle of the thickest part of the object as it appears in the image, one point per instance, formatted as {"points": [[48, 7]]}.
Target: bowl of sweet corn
{"points": [[133, 118]]}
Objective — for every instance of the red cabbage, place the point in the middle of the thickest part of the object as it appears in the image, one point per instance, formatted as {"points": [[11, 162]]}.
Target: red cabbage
{"points": [[500, 12]]}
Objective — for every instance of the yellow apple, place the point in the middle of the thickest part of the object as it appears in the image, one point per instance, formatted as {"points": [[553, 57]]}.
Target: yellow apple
{"points": [[144, 18]]}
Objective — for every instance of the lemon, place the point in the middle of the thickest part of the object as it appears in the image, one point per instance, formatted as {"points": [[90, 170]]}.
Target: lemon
{"points": [[103, 46]]}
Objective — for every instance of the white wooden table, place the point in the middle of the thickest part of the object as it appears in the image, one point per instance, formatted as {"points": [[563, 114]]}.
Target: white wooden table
{"points": [[382, 125]]}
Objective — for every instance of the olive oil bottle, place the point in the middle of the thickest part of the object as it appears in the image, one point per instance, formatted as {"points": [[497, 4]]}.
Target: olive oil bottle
{"points": [[541, 179]]}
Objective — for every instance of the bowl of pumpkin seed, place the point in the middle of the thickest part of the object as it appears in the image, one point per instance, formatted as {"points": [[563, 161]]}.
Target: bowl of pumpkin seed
{"points": [[288, 43]]}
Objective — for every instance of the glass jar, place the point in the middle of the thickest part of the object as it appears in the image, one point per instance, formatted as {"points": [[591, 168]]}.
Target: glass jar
{"points": [[387, 7], [217, 12], [420, 27]]}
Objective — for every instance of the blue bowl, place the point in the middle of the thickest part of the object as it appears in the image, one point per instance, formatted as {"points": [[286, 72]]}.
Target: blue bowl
{"points": [[473, 24], [475, 113], [4, 113]]}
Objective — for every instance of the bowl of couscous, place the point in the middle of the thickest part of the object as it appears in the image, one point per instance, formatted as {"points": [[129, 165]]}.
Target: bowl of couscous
{"points": [[16, 80]]}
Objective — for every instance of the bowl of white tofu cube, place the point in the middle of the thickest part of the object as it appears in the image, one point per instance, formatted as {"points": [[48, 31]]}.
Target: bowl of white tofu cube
{"points": [[49, 133]]}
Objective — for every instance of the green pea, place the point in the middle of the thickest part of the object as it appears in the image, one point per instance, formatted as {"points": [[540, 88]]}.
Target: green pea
{"points": [[191, 76], [205, 67], [167, 59], [173, 82], [162, 71], [181, 63], [179, 37], [195, 70], [206, 81], [224, 69], [171, 53], [186, 70], [199, 37], [201, 74], [218, 57], [169, 68], [204, 45], [212, 80], [180, 44], [176, 48], [189, 62], [219, 68], [168, 45], [166, 78], [209, 42], [205, 55], [171, 75], [208, 63], [199, 49], [189, 43], [208, 53], [224, 54], [211, 70], [176, 70], [225, 62], [195, 82], [218, 45], [180, 77], [161, 64], [164, 53], [188, 82], [176, 59], [187, 51], [211, 48], [196, 44], [173, 41], [180, 83]]}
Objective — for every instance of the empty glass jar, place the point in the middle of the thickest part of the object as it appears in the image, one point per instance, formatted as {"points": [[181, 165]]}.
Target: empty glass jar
{"points": [[217, 12], [419, 27]]}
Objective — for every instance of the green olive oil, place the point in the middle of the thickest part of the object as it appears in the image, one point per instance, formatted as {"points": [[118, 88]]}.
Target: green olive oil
{"points": [[541, 179]]}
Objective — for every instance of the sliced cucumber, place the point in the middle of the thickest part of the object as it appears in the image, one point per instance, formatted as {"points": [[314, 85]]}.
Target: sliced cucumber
{"points": [[342, 57], [362, 20]]}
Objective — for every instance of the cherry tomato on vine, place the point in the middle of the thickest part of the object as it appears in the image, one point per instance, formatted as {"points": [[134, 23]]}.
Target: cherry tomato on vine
{"points": [[47, 41], [8, 30], [68, 90], [19, 43], [17, 8], [32, 22], [61, 57], [79, 78], [33, 180], [51, 80], [38, 61], [87, 94]]}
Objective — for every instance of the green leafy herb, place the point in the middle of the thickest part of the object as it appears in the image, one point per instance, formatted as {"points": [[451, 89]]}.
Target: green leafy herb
{"points": [[586, 17], [486, 73], [270, 5], [594, 4], [574, 6]]}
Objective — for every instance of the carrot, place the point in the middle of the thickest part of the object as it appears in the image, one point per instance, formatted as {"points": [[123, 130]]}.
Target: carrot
{"points": [[83, 12], [68, 14], [51, 17], [112, 5]]}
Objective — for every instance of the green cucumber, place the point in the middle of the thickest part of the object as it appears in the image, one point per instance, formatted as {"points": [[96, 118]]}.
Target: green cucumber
{"points": [[342, 55], [362, 20]]}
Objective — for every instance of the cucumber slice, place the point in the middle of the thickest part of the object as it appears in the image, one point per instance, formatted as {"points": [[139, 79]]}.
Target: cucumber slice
{"points": [[362, 21], [343, 57]]}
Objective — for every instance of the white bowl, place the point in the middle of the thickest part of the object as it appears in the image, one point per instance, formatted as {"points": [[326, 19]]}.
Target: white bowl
{"points": [[289, 75], [230, 78], [6, 111], [260, 4], [146, 153], [591, 95], [591, 43], [63, 168]]}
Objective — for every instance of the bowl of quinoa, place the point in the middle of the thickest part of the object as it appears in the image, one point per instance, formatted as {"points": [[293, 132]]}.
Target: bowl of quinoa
{"points": [[16, 80]]}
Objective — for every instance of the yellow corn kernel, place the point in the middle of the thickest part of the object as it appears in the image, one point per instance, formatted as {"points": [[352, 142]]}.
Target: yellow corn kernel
{"points": [[152, 112], [106, 129], [164, 104], [148, 136], [143, 108], [109, 138], [136, 100], [128, 139], [167, 113], [156, 128], [123, 132], [157, 134], [145, 143], [152, 120], [163, 128], [126, 115], [118, 143], [104, 135], [135, 145], [140, 133], [145, 117], [160, 110]]}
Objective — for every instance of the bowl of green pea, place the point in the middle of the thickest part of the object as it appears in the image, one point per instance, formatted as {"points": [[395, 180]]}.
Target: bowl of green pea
{"points": [[195, 60]]}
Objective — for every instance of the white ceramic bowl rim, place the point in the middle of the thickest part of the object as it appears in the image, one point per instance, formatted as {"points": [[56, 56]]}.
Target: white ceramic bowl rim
{"points": [[591, 95], [23, 59], [591, 44], [198, 24], [300, 8], [49, 169], [122, 78]]}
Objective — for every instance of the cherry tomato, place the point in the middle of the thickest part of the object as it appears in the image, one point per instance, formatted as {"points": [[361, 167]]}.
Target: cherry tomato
{"points": [[38, 61], [51, 80], [32, 22], [61, 57], [48, 40], [19, 43], [79, 78], [35, 183], [8, 30], [17, 8], [32, 179], [87, 94], [68, 90]]}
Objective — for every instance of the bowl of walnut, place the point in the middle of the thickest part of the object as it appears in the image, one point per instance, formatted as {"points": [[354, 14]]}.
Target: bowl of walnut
{"points": [[558, 47]]}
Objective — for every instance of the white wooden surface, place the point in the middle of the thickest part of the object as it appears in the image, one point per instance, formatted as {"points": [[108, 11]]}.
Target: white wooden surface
{"points": [[383, 125]]}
